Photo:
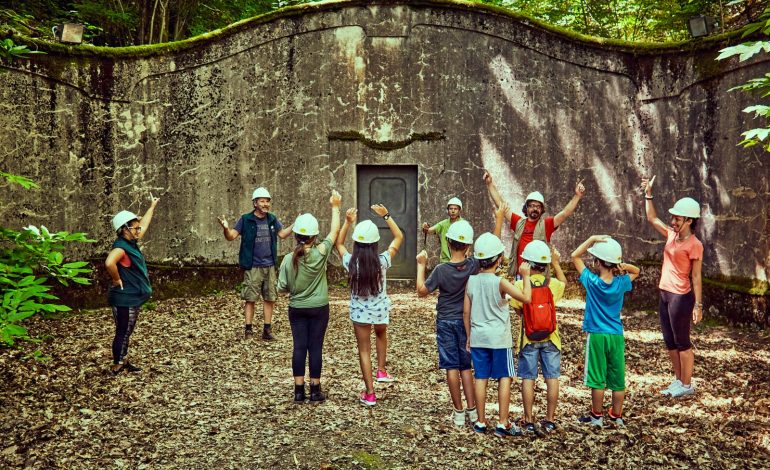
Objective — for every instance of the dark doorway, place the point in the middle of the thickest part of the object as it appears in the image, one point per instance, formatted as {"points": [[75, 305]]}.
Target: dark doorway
{"points": [[395, 186]]}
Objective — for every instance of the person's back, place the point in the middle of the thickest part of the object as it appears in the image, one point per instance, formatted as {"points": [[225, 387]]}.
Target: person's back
{"points": [[307, 285], [490, 317], [604, 302]]}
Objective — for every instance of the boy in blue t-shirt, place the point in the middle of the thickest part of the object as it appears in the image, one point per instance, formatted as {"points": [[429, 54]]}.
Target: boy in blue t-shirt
{"points": [[605, 365]]}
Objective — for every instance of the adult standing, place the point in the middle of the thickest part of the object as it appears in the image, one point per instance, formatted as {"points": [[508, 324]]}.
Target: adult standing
{"points": [[681, 300], [303, 276], [130, 282], [454, 208], [258, 256], [532, 225]]}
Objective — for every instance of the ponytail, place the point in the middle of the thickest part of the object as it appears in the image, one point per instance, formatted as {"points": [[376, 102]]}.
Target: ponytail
{"points": [[299, 250]]}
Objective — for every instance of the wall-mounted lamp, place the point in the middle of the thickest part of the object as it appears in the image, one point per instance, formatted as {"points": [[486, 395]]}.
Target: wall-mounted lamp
{"points": [[71, 33], [701, 26]]}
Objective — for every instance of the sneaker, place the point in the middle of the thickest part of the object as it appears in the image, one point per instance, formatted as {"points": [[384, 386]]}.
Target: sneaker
{"points": [[683, 390], [617, 422], [674, 385], [267, 334], [472, 415], [592, 420], [547, 426], [248, 333], [383, 376], [507, 431], [368, 399], [528, 429], [131, 368], [479, 427], [458, 417]]}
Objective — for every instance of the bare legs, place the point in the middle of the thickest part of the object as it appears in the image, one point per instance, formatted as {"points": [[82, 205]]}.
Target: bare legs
{"points": [[683, 363], [453, 378]]}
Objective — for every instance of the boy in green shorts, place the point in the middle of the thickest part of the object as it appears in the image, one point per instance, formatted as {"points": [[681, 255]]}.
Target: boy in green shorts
{"points": [[453, 209], [605, 364]]}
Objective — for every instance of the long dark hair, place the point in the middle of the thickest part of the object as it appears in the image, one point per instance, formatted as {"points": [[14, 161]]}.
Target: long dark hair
{"points": [[299, 250], [365, 272]]}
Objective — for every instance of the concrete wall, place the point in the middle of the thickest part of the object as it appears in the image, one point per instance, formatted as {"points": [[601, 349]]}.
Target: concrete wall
{"points": [[294, 101]]}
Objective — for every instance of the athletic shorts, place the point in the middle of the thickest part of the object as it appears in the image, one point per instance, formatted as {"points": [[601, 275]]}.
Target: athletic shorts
{"points": [[545, 353], [451, 341], [605, 362], [259, 282], [492, 363]]}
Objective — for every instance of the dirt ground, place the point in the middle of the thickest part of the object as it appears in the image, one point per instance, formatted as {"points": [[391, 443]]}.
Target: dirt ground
{"points": [[208, 398]]}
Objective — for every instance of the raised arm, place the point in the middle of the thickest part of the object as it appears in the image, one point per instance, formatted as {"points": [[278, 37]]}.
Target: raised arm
{"points": [[285, 232], [523, 295], [633, 271], [556, 265], [398, 236], [144, 222], [335, 201], [495, 194], [350, 219], [422, 266], [500, 212], [581, 250], [649, 208], [427, 228], [230, 233], [580, 190], [111, 264]]}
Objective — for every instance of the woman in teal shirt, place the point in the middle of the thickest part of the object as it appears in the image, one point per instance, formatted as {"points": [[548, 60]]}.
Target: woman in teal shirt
{"points": [[303, 276], [130, 283]]}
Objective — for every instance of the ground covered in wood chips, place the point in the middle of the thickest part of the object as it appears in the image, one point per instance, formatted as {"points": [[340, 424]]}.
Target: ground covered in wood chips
{"points": [[207, 398]]}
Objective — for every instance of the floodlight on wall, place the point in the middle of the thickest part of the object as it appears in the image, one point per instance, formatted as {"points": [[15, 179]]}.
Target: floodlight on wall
{"points": [[71, 33], [701, 26]]}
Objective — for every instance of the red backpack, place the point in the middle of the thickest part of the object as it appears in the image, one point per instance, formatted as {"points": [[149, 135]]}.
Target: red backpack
{"points": [[540, 314]]}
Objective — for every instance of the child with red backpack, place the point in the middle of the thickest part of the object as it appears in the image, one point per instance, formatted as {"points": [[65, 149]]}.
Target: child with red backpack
{"points": [[539, 340]]}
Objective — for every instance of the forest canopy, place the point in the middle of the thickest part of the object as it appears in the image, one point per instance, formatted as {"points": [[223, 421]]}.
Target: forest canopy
{"points": [[138, 22]]}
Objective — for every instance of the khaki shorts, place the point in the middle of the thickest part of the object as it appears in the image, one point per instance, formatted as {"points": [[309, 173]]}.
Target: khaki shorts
{"points": [[259, 282]]}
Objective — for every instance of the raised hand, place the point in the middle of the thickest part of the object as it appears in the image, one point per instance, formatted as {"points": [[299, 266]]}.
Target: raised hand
{"points": [[335, 200], [524, 269], [502, 210], [351, 214], [580, 190], [555, 255], [487, 178], [422, 257], [647, 185], [425, 227], [379, 209], [223, 221]]}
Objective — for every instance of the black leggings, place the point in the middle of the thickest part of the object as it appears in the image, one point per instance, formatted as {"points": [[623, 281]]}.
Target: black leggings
{"points": [[125, 321], [308, 328], [675, 311]]}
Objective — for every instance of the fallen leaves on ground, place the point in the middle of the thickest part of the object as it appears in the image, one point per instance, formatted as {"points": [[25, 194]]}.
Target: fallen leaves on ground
{"points": [[207, 398]]}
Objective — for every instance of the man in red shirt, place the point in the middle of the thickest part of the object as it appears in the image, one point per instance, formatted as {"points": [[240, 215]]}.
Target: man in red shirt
{"points": [[531, 225]]}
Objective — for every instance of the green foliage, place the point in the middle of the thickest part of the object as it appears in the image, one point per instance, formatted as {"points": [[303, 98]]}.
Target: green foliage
{"points": [[28, 260], [745, 51], [9, 50]]}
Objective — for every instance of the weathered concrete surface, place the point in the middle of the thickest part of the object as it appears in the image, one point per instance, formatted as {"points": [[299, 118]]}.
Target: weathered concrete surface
{"points": [[456, 89]]}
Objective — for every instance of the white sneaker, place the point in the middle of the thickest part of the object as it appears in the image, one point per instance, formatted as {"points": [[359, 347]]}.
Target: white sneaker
{"points": [[674, 385], [683, 390], [472, 415], [458, 417]]}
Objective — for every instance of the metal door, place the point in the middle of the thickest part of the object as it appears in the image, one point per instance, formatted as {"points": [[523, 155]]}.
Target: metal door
{"points": [[395, 186]]}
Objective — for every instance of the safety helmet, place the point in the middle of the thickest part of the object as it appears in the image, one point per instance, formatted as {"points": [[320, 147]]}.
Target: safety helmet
{"points": [[487, 246], [260, 192], [122, 218], [608, 250], [455, 202], [305, 224], [460, 231], [366, 232], [535, 196], [537, 251], [686, 207]]}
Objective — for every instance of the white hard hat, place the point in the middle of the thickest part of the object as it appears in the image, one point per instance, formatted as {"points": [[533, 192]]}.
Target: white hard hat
{"points": [[537, 251], [487, 246], [260, 192], [686, 207], [609, 250], [306, 224], [122, 218], [455, 202], [460, 231], [366, 232], [535, 196]]}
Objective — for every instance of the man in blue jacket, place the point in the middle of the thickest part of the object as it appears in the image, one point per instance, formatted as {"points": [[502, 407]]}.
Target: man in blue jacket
{"points": [[258, 257]]}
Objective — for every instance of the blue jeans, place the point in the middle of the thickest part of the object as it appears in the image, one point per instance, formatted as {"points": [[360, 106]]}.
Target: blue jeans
{"points": [[451, 340], [545, 353]]}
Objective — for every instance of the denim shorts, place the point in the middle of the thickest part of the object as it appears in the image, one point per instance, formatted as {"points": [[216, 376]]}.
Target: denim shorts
{"points": [[491, 363], [451, 340], [545, 353]]}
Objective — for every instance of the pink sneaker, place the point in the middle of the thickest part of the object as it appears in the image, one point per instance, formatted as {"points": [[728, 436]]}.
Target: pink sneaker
{"points": [[368, 399], [383, 376]]}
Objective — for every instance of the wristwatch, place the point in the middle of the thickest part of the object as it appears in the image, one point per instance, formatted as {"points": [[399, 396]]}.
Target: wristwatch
{"points": [[386, 216]]}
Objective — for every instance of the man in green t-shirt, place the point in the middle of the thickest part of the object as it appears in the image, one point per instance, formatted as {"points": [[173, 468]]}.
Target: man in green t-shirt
{"points": [[453, 209]]}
